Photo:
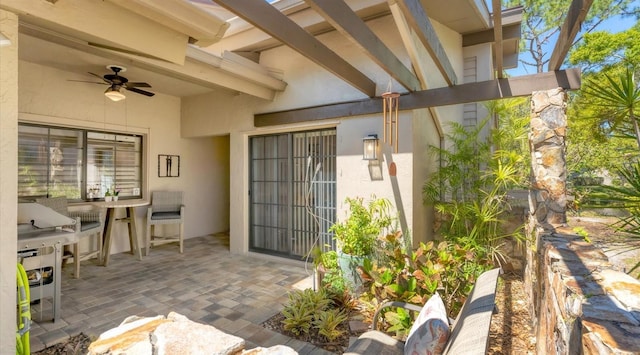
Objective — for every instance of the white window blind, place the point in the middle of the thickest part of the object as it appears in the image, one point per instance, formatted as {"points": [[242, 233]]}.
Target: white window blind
{"points": [[76, 163]]}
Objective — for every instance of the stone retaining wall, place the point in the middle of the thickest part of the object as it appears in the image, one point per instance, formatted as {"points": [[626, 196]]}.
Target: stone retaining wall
{"points": [[579, 303]]}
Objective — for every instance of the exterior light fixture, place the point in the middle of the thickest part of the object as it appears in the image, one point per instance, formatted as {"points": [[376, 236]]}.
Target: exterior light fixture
{"points": [[113, 93], [390, 103], [370, 147]]}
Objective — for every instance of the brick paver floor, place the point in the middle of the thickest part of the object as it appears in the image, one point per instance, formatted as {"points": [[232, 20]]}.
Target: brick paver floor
{"points": [[207, 284]]}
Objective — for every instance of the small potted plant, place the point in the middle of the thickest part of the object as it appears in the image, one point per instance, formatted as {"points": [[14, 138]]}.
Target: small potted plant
{"points": [[357, 235], [114, 194], [107, 196]]}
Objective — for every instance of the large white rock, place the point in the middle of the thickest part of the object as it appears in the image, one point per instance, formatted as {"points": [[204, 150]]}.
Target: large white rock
{"points": [[175, 334], [183, 336]]}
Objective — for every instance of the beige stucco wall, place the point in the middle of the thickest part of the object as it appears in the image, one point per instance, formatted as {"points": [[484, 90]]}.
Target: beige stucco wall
{"points": [[46, 96], [484, 66], [8, 180], [310, 85], [354, 179]]}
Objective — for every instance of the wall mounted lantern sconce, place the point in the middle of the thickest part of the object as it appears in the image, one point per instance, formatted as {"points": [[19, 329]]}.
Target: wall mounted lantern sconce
{"points": [[370, 147]]}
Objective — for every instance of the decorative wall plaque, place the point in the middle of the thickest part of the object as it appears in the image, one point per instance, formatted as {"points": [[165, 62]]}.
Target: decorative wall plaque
{"points": [[168, 165]]}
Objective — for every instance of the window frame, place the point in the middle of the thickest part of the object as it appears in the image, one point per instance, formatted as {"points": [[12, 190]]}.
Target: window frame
{"points": [[137, 140]]}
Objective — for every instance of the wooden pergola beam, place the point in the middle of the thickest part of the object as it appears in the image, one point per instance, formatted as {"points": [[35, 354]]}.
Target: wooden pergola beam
{"points": [[266, 17], [473, 92], [578, 11], [418, 20], [512, 31], [497, 34], [341, 17]]}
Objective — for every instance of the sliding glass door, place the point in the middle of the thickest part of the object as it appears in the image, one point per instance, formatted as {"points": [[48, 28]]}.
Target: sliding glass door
{"points": [[293, 192]]}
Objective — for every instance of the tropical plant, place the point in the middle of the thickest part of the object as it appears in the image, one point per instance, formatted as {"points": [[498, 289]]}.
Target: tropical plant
{"points": [[309, 310], [297, 319], [627, 197], [301, 308], [357, 234], [415, 276], [328, 322], [618, 100], [470, 192]]}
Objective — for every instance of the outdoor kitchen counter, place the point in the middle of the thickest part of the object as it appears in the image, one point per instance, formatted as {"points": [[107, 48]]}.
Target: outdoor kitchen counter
{"points": [[130, 206]]}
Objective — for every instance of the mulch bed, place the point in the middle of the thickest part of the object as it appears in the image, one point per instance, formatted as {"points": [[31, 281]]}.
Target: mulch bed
{"points": [[78, 344], [511, 330]]}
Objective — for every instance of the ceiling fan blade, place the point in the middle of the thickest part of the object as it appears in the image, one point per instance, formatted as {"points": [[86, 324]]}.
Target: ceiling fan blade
{"points": [[89, 82], [101, 78], [145, 93], [138, 85]]}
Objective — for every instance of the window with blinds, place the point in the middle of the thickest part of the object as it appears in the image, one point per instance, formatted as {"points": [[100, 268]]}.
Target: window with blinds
{"points": [[76, 163]]}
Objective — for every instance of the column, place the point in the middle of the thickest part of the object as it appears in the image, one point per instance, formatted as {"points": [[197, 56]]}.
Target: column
{"points": [[547, 141], [8, 178]]}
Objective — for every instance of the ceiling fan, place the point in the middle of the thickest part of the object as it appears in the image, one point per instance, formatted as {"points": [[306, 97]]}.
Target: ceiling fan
{"points": [[117, 82]]}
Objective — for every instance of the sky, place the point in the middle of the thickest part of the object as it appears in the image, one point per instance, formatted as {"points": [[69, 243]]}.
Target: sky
{"points": [[613, 25]]}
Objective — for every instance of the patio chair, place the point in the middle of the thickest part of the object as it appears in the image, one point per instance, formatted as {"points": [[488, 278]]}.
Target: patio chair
{"points": [[90, 225], [166, 208]]}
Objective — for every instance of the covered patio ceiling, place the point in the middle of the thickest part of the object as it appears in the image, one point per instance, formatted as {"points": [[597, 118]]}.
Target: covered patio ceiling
{"points": [[190, 47]]}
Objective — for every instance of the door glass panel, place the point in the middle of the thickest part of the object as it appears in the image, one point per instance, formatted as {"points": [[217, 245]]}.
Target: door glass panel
{"points": [[293, 195]]}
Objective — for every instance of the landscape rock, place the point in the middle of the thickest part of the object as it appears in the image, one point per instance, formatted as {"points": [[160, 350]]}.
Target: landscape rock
{"points": [[175, 334]]}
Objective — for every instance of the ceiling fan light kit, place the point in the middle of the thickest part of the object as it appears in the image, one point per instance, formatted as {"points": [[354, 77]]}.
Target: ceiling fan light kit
{"points": [[114, 94]]}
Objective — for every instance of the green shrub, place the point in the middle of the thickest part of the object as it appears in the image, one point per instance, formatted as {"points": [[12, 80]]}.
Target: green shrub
{"points": [[415, 276], [308, 309], [327, 323], [357, 234], [297, 319], [470, 192]]}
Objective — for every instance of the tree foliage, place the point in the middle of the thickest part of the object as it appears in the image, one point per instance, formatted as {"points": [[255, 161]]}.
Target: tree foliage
{"points": [[603, 50], [542, 21], [616, 100]]}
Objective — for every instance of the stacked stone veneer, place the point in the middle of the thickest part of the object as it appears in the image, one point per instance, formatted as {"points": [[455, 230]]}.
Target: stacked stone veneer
{"points": [[578, 302], [548, 128]]}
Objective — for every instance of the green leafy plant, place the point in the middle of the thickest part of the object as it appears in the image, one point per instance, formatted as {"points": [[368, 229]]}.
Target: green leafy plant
{"points": [[400, 321], [618, 100], [333, 283], [583, 233], [357, 234], [297, 320], [415, 276], [470, 192], [309, 310], [627, 197], [300, 309], [328, 322]]}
